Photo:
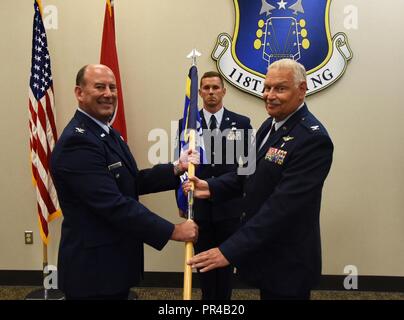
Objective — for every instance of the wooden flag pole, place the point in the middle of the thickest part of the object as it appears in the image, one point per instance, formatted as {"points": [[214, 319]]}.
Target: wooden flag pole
{"points": [[44, 265], [189, 248]]}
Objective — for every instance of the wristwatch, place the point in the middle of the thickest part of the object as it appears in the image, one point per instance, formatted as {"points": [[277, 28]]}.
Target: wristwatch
{"points": [[177, 170]]}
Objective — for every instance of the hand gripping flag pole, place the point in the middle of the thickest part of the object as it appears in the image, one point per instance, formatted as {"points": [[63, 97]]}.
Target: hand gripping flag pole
{"points": [[191, 121]]}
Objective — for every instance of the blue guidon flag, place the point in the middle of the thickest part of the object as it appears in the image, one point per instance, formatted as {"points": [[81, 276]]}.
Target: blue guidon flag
{"points": [[269, 30], [191, 121]]}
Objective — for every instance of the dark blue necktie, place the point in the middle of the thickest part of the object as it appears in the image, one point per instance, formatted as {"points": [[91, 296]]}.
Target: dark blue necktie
{"points": [[212, 127]]}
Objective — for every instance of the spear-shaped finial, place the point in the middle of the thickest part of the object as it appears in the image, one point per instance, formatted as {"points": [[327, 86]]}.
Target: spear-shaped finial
{"points": [[193, 55]]}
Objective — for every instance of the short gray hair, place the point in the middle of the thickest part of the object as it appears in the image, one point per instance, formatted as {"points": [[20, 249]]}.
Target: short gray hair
{"points": [[299, 71]]}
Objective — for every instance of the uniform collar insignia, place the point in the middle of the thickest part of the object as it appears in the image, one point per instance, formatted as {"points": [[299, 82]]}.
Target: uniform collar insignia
{"points": [[315, 128], [80, 130]]}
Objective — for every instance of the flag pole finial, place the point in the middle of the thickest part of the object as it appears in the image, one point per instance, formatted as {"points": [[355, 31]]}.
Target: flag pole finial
{"points": [[193, 55]]}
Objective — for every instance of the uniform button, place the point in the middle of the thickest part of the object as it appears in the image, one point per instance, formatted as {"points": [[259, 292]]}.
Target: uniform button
{"points": [[213, 176], [243, 215], [244, 194], [213, 165], [117, 175]]}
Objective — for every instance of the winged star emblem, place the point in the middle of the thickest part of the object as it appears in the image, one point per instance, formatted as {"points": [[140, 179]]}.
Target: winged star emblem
{"points": [[269, 30]]}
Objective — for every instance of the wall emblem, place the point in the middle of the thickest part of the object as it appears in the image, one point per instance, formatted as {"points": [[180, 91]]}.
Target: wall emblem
{"points": [[269, 30]]}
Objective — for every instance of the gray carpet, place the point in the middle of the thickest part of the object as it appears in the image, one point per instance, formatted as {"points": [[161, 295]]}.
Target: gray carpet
{"points": [[19, 293]]}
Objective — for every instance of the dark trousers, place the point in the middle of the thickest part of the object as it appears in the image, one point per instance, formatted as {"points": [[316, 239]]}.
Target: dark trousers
{"points": [[216, 284]]}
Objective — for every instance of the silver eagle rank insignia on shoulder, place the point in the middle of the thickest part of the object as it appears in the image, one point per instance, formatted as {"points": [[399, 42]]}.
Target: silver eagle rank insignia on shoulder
{"points": [[315, 128], [79, 130]]}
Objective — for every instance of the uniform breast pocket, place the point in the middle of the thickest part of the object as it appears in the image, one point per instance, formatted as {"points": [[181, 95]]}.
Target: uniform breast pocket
{"points": [[269, 170], [271, 166]]}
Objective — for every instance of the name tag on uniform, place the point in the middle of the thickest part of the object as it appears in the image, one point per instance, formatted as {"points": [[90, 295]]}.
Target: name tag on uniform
{"points": [[115, 165], [276, 155]]}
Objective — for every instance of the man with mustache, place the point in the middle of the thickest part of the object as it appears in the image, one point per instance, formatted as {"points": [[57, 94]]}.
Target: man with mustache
{"points": [[278, 249], [98, 184]]}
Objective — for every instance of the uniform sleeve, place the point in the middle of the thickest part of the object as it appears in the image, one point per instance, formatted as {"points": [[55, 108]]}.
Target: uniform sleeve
{"points": [[225, 187], [80, 167], [159, 178], [290, 209]]}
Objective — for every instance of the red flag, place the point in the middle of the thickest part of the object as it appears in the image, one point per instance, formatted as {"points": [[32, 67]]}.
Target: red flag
{"points": [[109, 57], [42, 126]]}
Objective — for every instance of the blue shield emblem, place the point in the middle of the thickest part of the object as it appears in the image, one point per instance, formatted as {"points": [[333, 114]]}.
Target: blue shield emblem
{"points": [[270, 30]]}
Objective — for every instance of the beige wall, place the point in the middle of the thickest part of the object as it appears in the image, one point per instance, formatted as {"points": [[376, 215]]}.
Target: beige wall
{"points": [[362, 212]]}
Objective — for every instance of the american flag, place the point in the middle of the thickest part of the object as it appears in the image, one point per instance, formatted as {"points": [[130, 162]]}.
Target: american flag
{"points": [[42, 125]]}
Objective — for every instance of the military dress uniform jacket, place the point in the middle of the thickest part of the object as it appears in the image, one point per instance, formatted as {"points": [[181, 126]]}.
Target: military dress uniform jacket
{"points": [[278, 248], [235, 131], [104, 226]]}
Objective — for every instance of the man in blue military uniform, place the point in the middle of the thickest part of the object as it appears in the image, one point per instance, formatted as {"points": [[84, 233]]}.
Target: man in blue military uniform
{"points": [[278, 249], [98, 184], [226, 139]]}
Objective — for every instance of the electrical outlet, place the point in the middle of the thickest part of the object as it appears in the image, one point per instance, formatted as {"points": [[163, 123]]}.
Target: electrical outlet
{"points": [[29, 237]]}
